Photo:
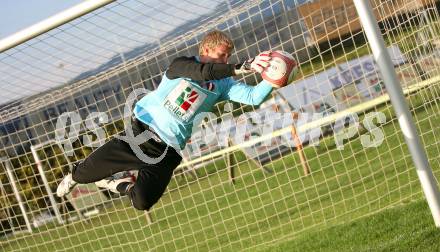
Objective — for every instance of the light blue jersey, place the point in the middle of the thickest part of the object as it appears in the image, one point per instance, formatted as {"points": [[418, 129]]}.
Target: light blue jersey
{"points": [[170, 109]]}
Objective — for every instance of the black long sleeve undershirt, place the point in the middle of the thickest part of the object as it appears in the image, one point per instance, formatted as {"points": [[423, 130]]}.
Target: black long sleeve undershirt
{"points": [[189, 67]]}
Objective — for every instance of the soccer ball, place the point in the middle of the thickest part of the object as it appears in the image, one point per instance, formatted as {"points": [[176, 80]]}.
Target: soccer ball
{"points": [[282, 70]]}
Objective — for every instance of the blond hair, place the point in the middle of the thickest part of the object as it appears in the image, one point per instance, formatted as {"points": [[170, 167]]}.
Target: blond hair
{"points": [[213, 39]]}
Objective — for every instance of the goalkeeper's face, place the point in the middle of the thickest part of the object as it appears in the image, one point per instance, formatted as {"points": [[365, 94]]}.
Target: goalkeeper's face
{"points": [[219, 54]]}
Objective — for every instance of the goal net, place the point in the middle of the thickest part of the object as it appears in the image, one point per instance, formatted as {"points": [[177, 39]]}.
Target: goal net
{"points": [[324, 150]]}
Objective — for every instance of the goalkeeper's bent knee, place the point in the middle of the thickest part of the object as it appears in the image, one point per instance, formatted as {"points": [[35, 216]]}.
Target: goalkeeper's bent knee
{"points": [[141, 205]]}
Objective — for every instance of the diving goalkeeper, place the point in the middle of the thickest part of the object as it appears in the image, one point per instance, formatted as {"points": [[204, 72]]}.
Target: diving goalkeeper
{"points": [[190, 86]]}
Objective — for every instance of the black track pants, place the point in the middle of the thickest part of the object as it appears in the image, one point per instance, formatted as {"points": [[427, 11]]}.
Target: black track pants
{"points": [[116, 156]]}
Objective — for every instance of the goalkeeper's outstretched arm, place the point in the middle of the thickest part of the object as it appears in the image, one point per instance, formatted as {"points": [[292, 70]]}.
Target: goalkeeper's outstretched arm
{"points": [[190, 67]]}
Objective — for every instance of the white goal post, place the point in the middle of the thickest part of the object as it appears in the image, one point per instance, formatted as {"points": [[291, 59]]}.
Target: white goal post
{"points": [[424, 171], [51, 23]]}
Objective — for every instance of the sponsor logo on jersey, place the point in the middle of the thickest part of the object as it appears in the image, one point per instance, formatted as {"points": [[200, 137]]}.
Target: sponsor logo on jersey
{"points": [[187, 98], [184, 100]]}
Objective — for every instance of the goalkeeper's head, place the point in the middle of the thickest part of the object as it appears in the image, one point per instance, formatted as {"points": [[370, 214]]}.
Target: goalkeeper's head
{"points": [[216, 47]]}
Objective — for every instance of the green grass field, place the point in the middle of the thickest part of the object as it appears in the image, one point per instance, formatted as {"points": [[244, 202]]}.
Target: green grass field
{"points": [[355, 199], [402, 228]]}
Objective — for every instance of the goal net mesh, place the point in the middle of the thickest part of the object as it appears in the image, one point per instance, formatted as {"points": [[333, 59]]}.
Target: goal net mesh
{"points": [[324, 150]]}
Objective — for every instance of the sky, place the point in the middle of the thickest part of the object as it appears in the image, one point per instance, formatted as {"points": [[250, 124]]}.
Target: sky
{"points": [[16, 15], [84, 44]]}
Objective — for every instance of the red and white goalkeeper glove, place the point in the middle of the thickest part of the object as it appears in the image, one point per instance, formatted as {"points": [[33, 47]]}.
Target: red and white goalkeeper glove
{"points": [[257, 64]]}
